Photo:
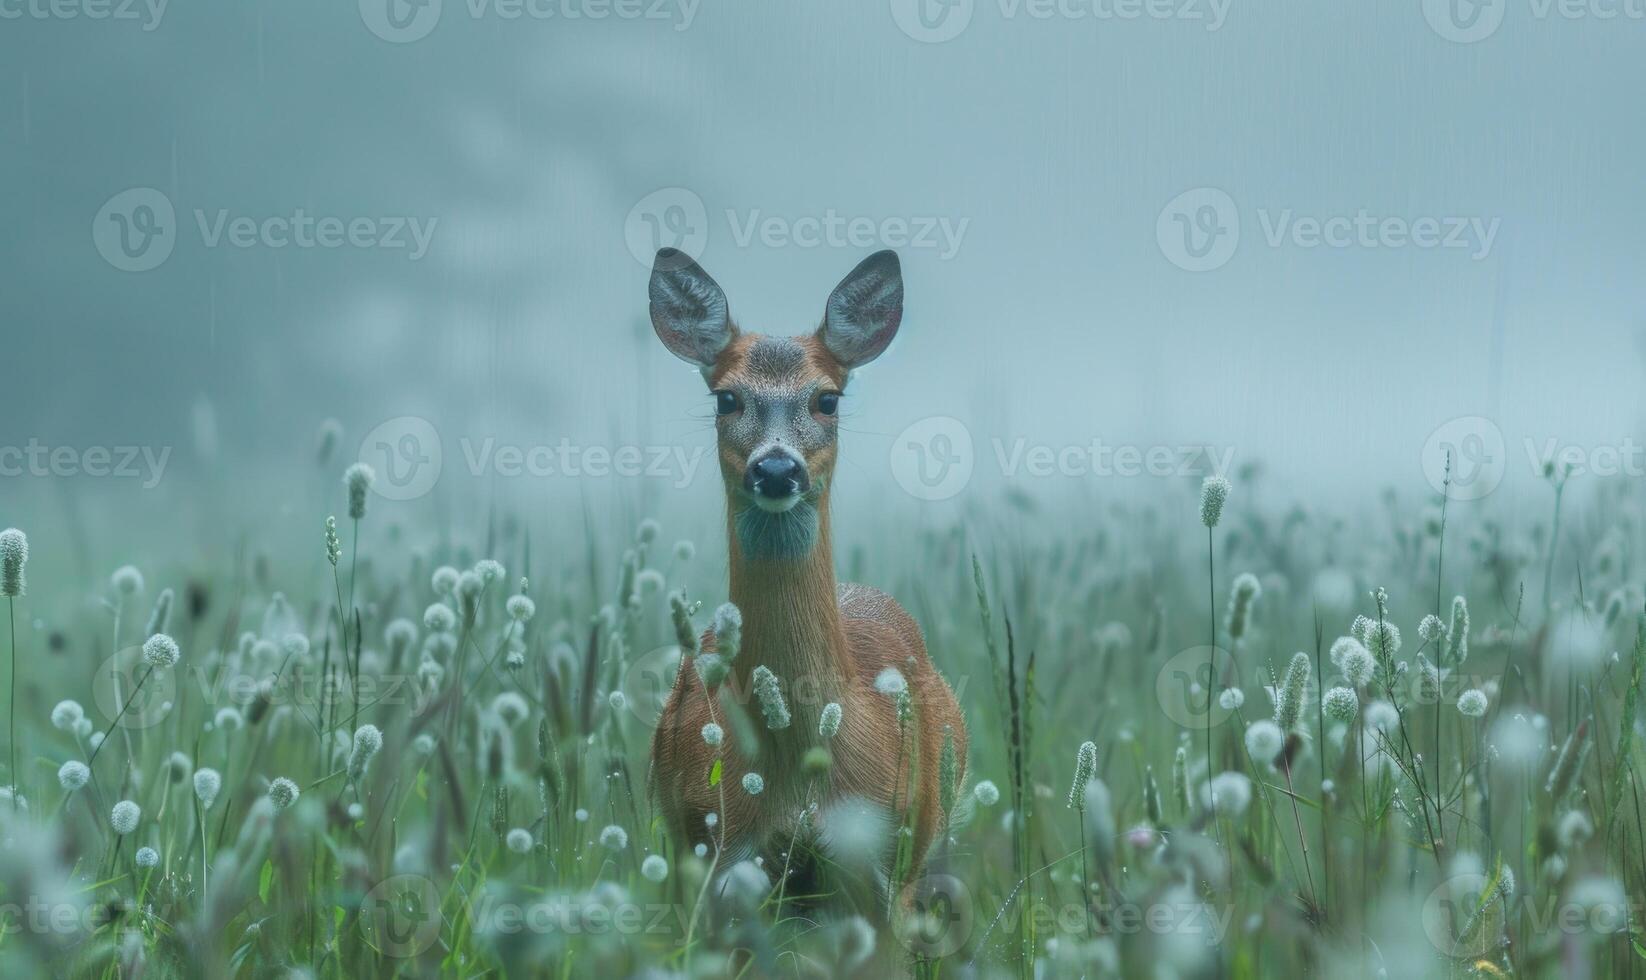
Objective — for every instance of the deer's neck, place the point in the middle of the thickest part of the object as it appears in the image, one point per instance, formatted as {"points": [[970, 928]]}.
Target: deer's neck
{"points": [[791, 618]]}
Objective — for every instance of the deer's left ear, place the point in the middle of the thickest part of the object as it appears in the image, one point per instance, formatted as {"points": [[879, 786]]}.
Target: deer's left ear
{"points": [[864, 310]]}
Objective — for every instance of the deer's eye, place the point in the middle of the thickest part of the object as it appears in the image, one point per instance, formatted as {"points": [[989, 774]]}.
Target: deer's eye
{"points": [[726, 402], [828, 402]]}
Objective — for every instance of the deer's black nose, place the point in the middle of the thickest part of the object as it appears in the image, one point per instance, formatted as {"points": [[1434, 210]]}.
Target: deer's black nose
{"points": [[776, 476]]}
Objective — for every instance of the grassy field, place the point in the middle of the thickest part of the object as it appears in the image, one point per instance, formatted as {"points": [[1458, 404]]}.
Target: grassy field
{"points": [[407, 751]]}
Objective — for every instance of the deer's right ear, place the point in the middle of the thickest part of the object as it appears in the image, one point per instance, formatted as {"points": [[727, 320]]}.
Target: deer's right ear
{"points": [[688, 309]]}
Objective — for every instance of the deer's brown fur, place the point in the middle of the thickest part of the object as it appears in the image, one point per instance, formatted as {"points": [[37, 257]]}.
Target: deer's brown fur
{"points": [[826, 643]]}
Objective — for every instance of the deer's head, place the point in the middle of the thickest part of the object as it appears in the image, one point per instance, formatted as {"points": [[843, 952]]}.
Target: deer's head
{"points": [[776, 398]]}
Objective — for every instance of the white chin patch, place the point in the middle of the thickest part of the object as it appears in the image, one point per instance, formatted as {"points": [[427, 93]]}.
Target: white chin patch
{"points": [[771, 506]]}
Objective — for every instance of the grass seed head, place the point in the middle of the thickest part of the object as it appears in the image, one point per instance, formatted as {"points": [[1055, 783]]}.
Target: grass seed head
{"points": [[207, 784], [66, 715], [1472, 703], [368, 739], [1242, 595], [358, 479], [14, 557], [728, 630], [1293, 689], [127, 580], [123, 818], [1341, 704], [1214, 492], [520, 608], [283, 793], [1085, 767], [772, 706], [334, 549], [828, 724], [73, 774], [160, 651], [1264, 740]]}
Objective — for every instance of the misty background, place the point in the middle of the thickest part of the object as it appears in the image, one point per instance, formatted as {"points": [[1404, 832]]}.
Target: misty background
{"points": [[546, 156]]}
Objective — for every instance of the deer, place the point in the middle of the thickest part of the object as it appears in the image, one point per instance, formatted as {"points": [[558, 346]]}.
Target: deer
{"points": [[776, 402]]}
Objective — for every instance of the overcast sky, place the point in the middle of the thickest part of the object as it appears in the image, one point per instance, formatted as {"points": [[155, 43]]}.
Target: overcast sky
{"points": [[1308, 234]]}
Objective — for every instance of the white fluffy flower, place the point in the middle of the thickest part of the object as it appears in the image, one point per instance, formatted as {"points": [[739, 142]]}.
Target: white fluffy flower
{"points": [[123, 818], [73, 774], [207, 784], [67, 715], [890, 682], [283, 792], [160, 651], [1264, 740]]}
